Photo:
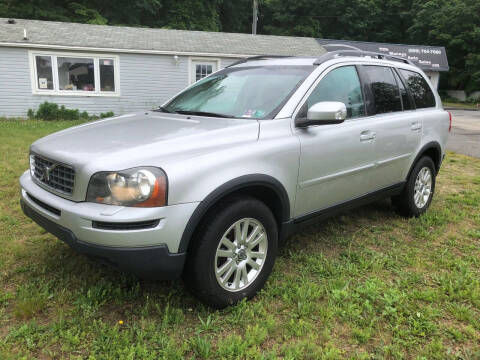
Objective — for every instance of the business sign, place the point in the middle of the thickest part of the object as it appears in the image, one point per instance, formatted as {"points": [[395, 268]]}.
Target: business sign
{"points": [[429, 58]]}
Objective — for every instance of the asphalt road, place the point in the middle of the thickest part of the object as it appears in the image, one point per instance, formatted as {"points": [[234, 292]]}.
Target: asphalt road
{"points": [[465, 135]]}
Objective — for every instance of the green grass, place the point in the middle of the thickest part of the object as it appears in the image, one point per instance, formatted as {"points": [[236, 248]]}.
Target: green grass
{"points": [[366, 284], [460, 105]]}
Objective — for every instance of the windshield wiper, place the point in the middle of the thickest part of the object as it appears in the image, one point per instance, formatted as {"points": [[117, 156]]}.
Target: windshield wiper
{"points": [[164, 109], [203, 113]]}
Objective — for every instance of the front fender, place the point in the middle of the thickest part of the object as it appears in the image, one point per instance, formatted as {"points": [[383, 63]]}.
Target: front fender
{"points": [[229, 188]]}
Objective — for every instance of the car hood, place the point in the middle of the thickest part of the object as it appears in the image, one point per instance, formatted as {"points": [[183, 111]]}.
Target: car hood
{"points": [[146, 138]]}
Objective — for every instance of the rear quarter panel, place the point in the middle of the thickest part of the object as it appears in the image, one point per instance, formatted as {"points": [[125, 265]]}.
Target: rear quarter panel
{"points": [[435, 124]]}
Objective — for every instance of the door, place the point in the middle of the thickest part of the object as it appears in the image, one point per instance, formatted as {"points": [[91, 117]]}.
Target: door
{"points": [[202, 68], [397, 125], [336, 160]]}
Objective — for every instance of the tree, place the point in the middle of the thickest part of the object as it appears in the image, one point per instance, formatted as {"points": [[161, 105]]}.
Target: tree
{"points": [[236, 16], [454, 24]]}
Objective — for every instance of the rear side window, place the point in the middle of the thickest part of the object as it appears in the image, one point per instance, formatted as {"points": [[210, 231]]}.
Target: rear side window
{"points": [[384, 88], [341, 84], [418, 87]]}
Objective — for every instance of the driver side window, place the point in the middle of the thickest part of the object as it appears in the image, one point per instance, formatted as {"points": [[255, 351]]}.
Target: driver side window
{"points": [[341, 84]]}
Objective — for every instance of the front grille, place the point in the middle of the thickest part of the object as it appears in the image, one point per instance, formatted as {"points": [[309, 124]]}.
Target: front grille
{"points": [[57, 176], [138, 225], [43, 205]]}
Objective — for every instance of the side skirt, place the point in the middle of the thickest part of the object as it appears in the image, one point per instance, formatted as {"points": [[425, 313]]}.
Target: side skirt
{"points": [[292, 226]]}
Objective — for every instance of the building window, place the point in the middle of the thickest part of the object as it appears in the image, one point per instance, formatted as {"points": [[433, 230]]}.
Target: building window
{"points": [[74, 74], [200, 68], [107, 75], [44, 72]]}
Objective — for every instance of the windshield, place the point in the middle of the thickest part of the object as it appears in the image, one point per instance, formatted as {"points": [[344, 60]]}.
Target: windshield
{"points": [[243, 92]]}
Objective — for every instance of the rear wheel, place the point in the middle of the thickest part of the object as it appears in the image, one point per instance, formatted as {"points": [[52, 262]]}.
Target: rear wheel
{"points": [[232, 253], [418, 192]]}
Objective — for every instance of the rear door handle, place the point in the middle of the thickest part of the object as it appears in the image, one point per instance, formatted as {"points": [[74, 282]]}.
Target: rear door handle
{"points": [[415, 126], [367, 135]]}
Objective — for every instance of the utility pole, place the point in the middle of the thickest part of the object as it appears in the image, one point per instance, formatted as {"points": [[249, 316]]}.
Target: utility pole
{"points": [[255, 17]]}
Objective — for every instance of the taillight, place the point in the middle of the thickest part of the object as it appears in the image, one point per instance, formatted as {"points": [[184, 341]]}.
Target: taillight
{"points": [[450, 119]]}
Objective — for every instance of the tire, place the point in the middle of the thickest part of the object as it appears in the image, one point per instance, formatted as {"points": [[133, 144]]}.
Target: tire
{"points": [[209, 253], [411, 203]]}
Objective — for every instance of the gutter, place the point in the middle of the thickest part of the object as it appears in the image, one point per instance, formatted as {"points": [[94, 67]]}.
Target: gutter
{"points": [[127, 51]]}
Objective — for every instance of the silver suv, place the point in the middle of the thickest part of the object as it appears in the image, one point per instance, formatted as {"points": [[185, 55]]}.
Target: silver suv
{"points": [[208, 185]]}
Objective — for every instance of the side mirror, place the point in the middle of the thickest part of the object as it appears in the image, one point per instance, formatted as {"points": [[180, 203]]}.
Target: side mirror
{"points": [[324, 113]]}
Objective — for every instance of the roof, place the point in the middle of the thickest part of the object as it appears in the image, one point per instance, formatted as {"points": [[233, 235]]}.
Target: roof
{"points": [[427, 58], [131, 39]]}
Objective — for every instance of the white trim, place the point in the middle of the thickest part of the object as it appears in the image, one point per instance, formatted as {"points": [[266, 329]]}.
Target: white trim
{"points": [[56, 92], [128, 51], [206, 59]]}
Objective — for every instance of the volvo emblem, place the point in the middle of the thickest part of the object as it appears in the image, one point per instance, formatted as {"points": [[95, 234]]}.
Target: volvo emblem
{"points": [[46, 172]]}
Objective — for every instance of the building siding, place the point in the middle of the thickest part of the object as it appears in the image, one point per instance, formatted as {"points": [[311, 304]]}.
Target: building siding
{"points": [[146, 81]]}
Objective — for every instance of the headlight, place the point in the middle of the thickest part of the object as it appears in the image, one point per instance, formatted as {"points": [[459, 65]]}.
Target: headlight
{"points": [[142, 187]]}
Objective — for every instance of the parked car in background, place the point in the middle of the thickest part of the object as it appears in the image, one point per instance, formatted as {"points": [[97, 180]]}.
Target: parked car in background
{"points": [[211, 183]]}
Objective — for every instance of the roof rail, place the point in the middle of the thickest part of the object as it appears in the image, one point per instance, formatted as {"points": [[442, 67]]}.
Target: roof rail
{"points": [[359, 53], [258, 57]]}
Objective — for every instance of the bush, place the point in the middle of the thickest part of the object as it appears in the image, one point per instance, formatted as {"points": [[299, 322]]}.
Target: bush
{"points": [[473, 100], [31, 114], [107, 114], [51, 111]]}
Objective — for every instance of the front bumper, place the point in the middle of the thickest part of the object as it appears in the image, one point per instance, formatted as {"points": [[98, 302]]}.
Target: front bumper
{"points": [[153, 262], [147, 252], [78, 217]]}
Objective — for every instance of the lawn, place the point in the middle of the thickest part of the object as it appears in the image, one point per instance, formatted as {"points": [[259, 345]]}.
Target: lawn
{"points": [[461, 105], [366, 284]]}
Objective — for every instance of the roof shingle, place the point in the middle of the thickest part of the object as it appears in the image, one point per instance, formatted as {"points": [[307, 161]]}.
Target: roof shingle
{"points": [[146, 39]]}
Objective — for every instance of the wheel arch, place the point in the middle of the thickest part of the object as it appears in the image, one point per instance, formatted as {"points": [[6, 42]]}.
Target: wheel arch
{"points": [[431, 149], [263, 187]]}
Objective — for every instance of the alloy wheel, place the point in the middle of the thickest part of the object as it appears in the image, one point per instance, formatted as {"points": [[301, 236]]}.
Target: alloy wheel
{"points": [[423, 187], [241, 254]]}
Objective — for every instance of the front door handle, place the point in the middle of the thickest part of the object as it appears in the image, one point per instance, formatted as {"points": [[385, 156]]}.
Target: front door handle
{"points": [[367, 135], [416, 126]]}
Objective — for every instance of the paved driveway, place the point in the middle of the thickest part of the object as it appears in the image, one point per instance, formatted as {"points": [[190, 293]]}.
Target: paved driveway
{"points": [[465, 135]]}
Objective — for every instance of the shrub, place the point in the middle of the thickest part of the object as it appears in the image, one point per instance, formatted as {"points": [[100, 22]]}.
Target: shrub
{"points": [[107, 114], [51, 111], [47, 111], [31, 114], [473, 100]]}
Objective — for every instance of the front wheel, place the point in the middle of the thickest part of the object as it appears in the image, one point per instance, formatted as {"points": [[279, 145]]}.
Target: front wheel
{"points": [[418, 193], [232, 253]]}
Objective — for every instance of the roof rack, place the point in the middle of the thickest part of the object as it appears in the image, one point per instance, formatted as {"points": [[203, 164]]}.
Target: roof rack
{"points": [[359, 53], [258, 57]]}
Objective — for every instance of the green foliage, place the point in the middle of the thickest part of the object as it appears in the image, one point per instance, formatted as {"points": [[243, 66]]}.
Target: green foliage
{"points": [[51, 111], [455, 25], [102, 115]]}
